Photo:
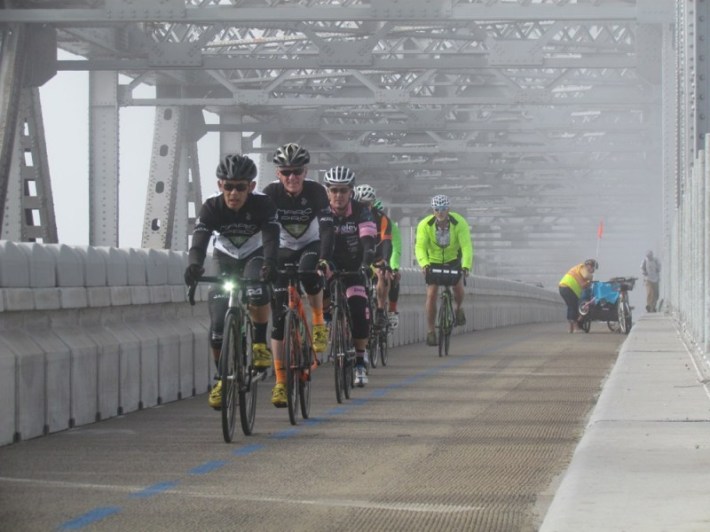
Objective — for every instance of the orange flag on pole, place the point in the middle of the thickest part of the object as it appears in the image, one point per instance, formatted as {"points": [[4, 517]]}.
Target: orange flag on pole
{"points": [[600, 229]]}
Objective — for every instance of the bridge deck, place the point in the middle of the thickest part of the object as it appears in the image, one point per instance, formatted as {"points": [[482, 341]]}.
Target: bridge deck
{"points": [[475, 441]]}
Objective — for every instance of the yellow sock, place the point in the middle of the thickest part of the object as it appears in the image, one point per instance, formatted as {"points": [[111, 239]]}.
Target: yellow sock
{"points": [[318, 316]]}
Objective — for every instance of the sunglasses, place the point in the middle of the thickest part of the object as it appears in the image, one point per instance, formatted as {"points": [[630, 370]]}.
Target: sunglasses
{"points": [[239, 187], [291, 171], [339, 190], [441, 209]]}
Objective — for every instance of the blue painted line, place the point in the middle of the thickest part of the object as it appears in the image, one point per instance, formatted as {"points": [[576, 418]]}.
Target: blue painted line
{"points": [[208, 467], [313, 421], [337, 411], [286, 433], [247, 449], [95, 515], [155, 489], [380, 392]]}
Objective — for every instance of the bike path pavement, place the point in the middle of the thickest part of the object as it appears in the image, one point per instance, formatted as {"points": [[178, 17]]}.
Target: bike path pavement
{"points": [[643, 463]]}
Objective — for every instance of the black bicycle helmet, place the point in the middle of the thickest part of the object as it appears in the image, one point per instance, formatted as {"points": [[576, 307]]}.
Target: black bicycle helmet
{"points": [[291, 155], [235, 166], [592, 262]]}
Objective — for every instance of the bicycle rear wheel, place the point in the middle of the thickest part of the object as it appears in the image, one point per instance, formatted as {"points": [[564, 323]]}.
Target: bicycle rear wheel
{"points": [[304, 381], [246, 381], [292, 358], [228, 369], [382, 344]]}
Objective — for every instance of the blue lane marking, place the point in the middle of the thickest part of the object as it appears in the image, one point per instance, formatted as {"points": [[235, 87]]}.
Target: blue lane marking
{"points": [[285, 433], [207, 467], [337, 411], [313, 421], [247, 449], [97, 514], [155, 489]]}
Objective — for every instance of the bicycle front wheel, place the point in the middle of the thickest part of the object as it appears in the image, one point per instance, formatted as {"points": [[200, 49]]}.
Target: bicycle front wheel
{"points": [[337, 354], [246, 381], [445, 324], [304, 380], [292, 358], [228, 370]]}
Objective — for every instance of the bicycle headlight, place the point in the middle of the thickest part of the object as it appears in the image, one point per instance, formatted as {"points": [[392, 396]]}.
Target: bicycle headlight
{"points": [[229, 286]]}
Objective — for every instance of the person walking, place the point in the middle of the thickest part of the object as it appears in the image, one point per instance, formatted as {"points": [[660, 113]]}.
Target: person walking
{"points": [[571, 287], [651, 270]]}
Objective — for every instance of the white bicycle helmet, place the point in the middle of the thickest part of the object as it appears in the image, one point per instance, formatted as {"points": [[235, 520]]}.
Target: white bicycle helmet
{"points": [[440, 202], [291, 155], [364, 193], [339, 175]]}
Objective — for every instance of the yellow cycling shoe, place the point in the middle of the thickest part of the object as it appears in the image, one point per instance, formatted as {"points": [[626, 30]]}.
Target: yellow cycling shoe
{"points": [[215, 398], [261, 356], [278, 396], [320, 338]]}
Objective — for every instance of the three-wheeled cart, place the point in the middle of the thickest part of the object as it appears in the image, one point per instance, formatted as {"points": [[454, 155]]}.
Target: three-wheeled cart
{"points": [[607, 301]]}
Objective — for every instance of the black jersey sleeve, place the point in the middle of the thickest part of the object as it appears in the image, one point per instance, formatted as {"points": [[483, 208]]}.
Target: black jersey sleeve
{"points": [[270, 230], [204, 226]]}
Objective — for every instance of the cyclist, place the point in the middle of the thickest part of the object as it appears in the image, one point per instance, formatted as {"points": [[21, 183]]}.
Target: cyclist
{"points": [[351, 249], [443, 239], [246, 243], [302, 211], [393, 296], [571, 287], [366, 195]]}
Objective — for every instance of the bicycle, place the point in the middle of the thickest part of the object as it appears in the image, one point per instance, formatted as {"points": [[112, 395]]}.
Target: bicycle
{"points": [[299, 356], [342, 351], [445, 315], [238, 376]]}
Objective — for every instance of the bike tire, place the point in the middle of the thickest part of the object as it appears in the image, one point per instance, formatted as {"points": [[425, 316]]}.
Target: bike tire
{"points": [[444, 325], [349, 350], [292, 357], [246, 383], [228, 370], [304, 380], [337, 355], [384, 348], [624, 312]]}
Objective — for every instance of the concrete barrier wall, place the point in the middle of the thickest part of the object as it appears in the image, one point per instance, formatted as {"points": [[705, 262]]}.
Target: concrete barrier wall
{"points": [[88, 333]]}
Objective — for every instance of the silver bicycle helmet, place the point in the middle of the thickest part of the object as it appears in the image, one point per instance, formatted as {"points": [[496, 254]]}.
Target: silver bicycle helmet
{"points": [[440, 202], [339, 175], [592, 263], [364, 193], [235, 167], [291, 155]]}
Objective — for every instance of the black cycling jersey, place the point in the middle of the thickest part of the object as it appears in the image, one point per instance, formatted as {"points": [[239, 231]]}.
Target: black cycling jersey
{"points": [[303, 218], [238, 233], [353, 239]]}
